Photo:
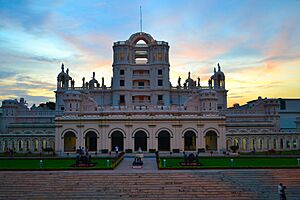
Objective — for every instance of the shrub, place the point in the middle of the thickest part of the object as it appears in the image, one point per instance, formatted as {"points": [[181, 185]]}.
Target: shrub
{"points": [[234, 148], [104, 150], [128, 151], [152, 150], [176, 150]]}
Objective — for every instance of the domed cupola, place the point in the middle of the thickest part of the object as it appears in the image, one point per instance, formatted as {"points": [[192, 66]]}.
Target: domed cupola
{"points": [[208, 100], [63, 78], [93, 82], [218, 78]]}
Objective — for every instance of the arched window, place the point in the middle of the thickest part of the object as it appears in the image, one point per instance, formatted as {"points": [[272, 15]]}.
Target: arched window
{"points": [[70, 142], [44, 144], [211, 141], [281, 143], [164, 141], [91, 141], [244, 144], [252, 142], [190, 141], [36, 145], [274, 144], [140, 141]]}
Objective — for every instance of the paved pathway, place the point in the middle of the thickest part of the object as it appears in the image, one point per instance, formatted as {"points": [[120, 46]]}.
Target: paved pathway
{"points": [[148, 166]]}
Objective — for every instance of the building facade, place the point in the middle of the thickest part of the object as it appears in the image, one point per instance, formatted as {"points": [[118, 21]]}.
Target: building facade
{"points": [[141, 109]]}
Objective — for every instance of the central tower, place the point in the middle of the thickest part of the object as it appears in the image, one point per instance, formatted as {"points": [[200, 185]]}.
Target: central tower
{"points": [[141, 72]]}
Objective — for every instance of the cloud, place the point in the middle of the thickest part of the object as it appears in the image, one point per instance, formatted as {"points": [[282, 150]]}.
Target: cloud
{"points": [[7, 74]]}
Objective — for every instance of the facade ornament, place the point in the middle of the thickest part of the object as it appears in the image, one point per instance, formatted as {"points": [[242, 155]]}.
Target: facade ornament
{"points": [[62, 67], [179, 81], [198, 81], [102, 85], [219, 68], [83, 81], [215, 70], [67, 71], [210, 83]]}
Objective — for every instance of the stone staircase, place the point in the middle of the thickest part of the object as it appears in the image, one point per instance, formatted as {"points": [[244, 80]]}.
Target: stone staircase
{"points": [[208, 185]]}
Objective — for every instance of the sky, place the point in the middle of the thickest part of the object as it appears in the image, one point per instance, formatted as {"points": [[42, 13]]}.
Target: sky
{"points": [[257, 43]]}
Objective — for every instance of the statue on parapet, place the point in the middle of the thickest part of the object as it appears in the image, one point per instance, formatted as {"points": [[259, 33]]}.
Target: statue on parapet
{"points": [[210, 83], [83, 81], [72, 83], [179, 81], [198, 81]]}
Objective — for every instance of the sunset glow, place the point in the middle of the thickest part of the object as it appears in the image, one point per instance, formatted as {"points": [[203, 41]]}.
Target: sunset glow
{"points": [[257, 43]]}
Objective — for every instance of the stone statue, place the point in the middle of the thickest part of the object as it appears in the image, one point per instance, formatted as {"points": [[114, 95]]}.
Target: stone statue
{"points": [[83, 81], [184, 85], [189, 75], [219, 68], [102, 82], [93, 75], [210, 83], [67, 71], [62, 67], [198, 81], [179, 81], [72, 83]]}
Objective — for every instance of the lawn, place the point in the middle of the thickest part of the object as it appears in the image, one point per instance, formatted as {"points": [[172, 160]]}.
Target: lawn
{"points": [[238, 162], [18, 164]]}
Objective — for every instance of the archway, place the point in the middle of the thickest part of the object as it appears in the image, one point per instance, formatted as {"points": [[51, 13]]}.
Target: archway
{"points": [[140, 141], [91, 141], [211, 141], [117, 140], [190, 141], [69, 142], [164, 141]]}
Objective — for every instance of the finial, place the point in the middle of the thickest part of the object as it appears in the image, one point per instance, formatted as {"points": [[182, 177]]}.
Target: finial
{"points": [[62, 67], [93, 75], [67, 70], [141, 20], [219, 68]]}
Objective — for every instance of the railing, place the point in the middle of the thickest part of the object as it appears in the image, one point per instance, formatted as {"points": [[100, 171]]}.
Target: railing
{"points": [[193, 88], [140, 87], [86, 88]]}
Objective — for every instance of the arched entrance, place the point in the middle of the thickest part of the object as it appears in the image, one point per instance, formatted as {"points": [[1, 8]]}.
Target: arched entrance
{"points": [[211, 141], [117, 139], [140, 141], [91, 141], [69, 142], [164, 141], [190, 141]]}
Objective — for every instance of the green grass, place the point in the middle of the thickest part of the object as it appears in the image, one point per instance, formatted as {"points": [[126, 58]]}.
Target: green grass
{"points": [[291, 152], [239, 162], [18, 164]]}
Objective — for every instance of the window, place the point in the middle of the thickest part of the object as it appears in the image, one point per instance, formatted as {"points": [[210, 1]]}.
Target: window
{"points": [[141, 84], [122, 99], [160, 97], [160, 72], [160, 82], [282, 105], [159, 56], [116, 56], [122, 56], [122, 83], [122, 72], [219, 107]]}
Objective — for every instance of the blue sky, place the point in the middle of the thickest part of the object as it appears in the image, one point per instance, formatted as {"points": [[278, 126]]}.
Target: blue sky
{"points": [[257, 43]]}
